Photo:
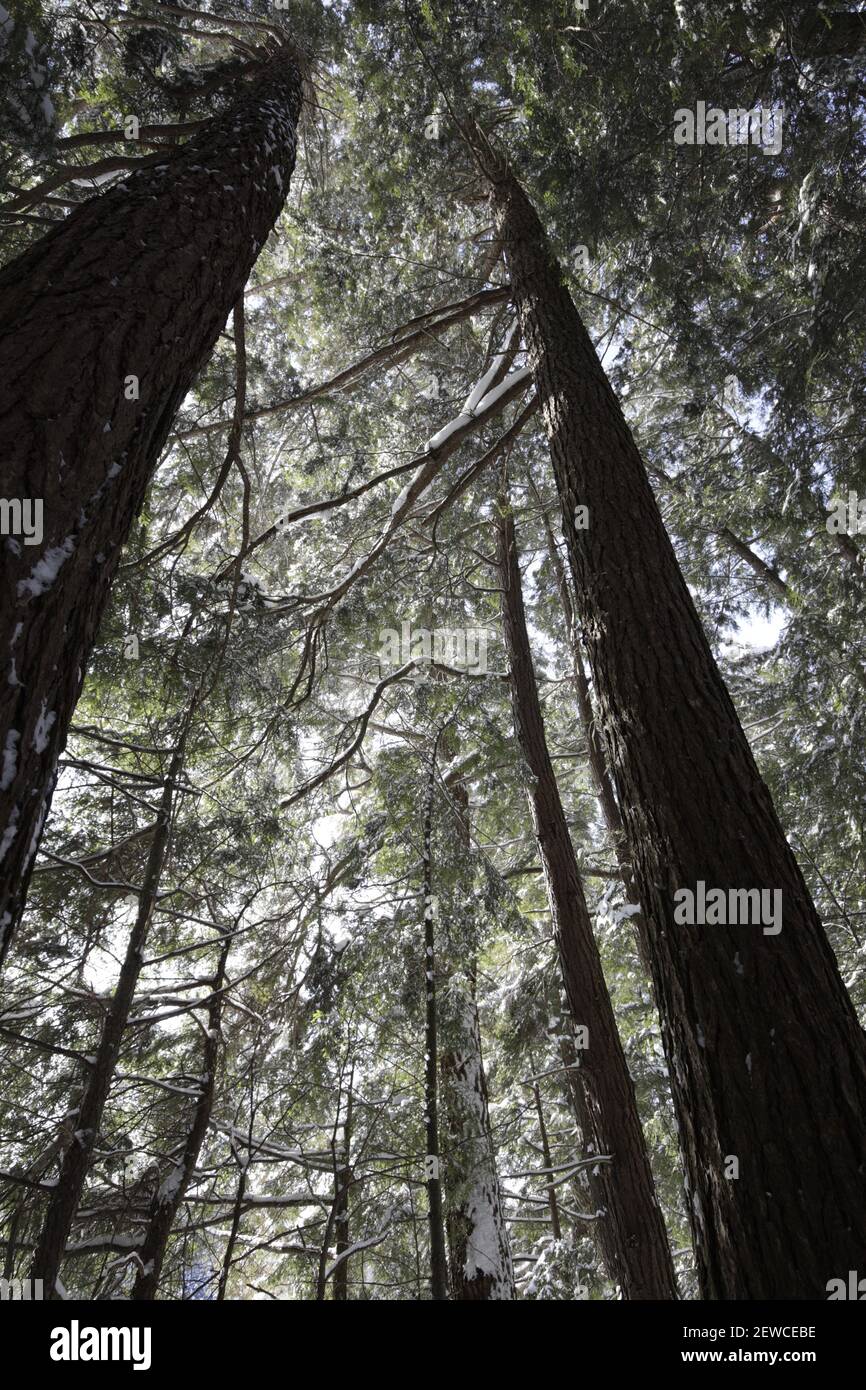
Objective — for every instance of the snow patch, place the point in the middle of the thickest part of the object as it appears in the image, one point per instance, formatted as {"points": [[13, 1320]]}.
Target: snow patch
{"points": [[10, 760], [47, 569], [43, 728], [9, 834]]}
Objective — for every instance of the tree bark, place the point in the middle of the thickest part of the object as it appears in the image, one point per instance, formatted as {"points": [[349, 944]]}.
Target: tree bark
{"points": [[229, 1252], [480, 1265], [636, 1240], [74, 1168], [136, 283], [594, 742], [767, 1060], [479, 1250]]}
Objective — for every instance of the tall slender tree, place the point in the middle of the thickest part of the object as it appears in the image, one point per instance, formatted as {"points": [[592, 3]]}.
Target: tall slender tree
{"points": [[635, 1240]]}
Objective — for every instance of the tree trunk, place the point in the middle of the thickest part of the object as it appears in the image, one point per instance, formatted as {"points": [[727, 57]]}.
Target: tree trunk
{"points": [[65, 1197], [126, 298], [594, 741], [438, 1264], [767, 1060], [636, 1239], [480, 1264], [167, 1199], [342, 1187], [553, 1205], [229, 1252]]}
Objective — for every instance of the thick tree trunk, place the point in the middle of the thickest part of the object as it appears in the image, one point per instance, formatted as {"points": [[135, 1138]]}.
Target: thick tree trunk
{"points": [[137, 283], [767, 1060], [167, 1199], [636, 1240], [65, 1197]]}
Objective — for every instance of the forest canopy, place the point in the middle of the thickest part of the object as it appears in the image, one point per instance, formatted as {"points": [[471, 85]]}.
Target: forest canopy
{"points": [[431, 798]]}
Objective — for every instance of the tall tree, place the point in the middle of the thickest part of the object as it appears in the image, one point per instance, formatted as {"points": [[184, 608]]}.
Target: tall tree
{"points": [[106, 322], [767, 1058], [635, 1241]]}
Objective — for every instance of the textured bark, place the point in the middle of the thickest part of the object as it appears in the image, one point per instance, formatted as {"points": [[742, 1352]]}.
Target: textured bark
{"points": [[167, 1199], [767, 1060], [597, 754], [75, 1165], [636, 1241], [137, 282], [594, 742]]}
